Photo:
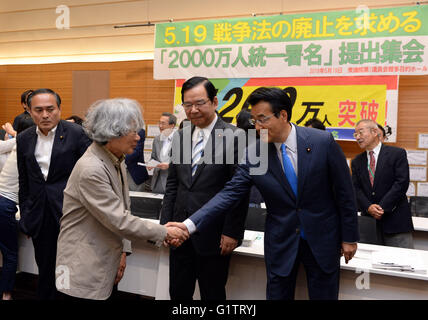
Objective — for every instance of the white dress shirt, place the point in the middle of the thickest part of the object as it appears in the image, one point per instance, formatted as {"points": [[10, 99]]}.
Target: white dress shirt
{"points": [[207, 132], [43, 150], [166, 147]]}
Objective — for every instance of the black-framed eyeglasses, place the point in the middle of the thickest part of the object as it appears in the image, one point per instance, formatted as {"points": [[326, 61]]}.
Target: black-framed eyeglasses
{"points": [[197, 104], [260, 121]]}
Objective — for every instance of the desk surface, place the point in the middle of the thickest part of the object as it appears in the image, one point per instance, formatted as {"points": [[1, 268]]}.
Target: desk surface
{"points": [[361, 260]]}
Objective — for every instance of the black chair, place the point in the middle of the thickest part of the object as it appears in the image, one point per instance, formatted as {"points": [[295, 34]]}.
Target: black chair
{"points": [[367, 229], [146, 207], [419, 206]]}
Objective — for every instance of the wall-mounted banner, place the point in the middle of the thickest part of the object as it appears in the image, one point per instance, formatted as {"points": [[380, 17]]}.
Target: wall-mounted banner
{"points": [[339, 102], [385, 41]]}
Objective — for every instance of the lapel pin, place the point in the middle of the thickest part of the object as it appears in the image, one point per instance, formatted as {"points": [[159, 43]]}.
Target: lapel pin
{"points": [[61, 137], [308, 149]]}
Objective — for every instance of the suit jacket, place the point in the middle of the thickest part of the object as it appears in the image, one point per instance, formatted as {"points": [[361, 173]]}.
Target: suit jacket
{"points": [[325, 204], [184, 195], [159, 177], [138, 173], [389, 188], [37, 196], [96, 220]]}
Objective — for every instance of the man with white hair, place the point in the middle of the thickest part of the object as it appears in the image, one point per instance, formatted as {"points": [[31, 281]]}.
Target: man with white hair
{"points": [[380, 176]]}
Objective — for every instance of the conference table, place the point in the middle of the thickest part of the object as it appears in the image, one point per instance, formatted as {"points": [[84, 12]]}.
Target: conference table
{"points": [[147, 270]]}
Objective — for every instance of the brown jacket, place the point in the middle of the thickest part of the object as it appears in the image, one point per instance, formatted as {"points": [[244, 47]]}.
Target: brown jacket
{"points": [[95, 221]]}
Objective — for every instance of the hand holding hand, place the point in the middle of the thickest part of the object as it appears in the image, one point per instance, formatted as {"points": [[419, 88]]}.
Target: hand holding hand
{"points": [[177, 233], [348, 250], [163, 166], [227, 245]]}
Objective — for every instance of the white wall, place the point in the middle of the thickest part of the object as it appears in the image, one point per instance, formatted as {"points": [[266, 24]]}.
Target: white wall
{"points": [[28, 31]]}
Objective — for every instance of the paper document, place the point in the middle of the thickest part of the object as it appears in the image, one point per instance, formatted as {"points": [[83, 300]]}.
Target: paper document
{"points": [[398, 261], [152, 163]]}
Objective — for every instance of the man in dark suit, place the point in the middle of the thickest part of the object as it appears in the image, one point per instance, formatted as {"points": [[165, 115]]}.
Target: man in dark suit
{"points": [[137, 174], [311, 211], [381, 178], [197, 172], [46, 155]]}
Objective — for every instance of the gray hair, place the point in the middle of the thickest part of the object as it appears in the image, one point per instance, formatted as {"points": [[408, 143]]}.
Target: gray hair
{"points": [[370, 123], [112, 118]]}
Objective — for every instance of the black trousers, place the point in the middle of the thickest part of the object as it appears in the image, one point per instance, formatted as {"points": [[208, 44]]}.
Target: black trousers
{"points": [[45, 245], [321, 285], [186, 266]]}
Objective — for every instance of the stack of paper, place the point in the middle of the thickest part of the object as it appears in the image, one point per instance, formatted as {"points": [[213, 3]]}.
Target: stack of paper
{"points": [[405, 261]]}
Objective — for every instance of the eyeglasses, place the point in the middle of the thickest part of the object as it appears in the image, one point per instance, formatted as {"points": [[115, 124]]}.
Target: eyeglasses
{"points": [[359, 132], [260, 121], [198, 104]]}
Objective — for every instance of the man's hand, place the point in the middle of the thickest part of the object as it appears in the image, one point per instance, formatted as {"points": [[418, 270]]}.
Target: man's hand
{"points": [[163, 166], [177, 233], [348, 250], [227, 244], [375, 211], [121, 270]]}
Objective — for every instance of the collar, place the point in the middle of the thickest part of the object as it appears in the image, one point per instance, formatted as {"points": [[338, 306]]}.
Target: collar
{"points": [[116, 161], [167, 138], [207, 130], [376, 150], [50, 133], [290, 142]]}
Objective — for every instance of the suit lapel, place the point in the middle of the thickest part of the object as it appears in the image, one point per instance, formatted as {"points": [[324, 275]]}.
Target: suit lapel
{"points": [[304, 158], [32, 143], [364, 170], [56, 148], [277, 171], [383, 155]]}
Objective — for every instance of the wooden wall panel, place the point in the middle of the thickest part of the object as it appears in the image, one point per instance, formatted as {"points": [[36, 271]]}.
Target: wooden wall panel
{"points": [[134, 79]]}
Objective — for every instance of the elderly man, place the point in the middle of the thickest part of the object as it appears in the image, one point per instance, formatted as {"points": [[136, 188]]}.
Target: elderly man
{"points": [[205, 256], [46, 154], [161, 151], [381, 178], [96, 214]]}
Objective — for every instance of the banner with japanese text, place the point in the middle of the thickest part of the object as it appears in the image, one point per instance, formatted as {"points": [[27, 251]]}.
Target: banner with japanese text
{"points": [[343, 102], [381, 41]]}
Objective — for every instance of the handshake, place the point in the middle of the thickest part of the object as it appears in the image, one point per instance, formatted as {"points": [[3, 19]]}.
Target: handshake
{"points": [[177, 233]]}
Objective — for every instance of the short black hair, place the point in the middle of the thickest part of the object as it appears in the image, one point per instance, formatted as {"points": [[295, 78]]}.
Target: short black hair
{"points": [[243, 120], [195, 81], [382, 129], [42, 91], [25, 95], [315, 123], [172, 118], [25, 122], [277, 99]]}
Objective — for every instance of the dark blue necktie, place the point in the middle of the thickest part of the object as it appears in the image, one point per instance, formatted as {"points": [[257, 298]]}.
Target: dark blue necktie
{"points": [[291, 176]]}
